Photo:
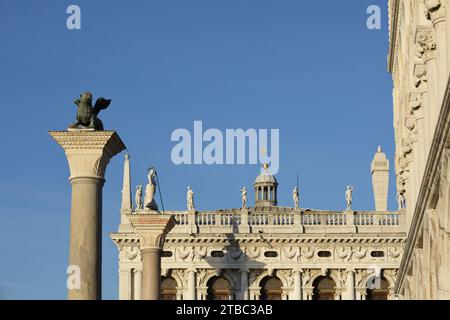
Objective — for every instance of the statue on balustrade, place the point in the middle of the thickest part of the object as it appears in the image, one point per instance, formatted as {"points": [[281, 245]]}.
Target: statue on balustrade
{"points": [[138, 197], [244, 198], [190, 199], [349, 197], [295, 197], [150, 190]]}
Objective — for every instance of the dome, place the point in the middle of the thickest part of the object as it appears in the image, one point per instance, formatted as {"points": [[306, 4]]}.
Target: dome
{"points": [[265, 189], [266, 178]]}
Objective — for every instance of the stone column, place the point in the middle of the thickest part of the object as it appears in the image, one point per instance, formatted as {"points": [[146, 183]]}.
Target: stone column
{"points": [[297, 294], [88, 153], [124, 284], [152, 229], [351, 284], [244, 285], [137, 284], [191, 285]]}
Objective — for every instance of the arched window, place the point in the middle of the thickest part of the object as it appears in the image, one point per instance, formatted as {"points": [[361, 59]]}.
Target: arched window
{"points": [[218, 289], [380, 293], [323, 288], [168, 288], [271, 288]]}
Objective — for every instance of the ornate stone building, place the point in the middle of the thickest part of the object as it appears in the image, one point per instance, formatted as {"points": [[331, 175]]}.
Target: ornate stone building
{"points": [[270, 252], [419, 62]]}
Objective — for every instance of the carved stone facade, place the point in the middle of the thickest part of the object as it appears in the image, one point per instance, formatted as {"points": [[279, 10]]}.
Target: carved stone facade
{"points": [[419, 62], [268, 251]]}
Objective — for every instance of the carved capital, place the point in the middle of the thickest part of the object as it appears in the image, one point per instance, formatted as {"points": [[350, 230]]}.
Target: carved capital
{"points": [[152, 229], [88, 152]]}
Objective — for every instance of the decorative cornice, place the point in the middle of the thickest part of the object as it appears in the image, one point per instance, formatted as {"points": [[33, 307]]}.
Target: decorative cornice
{"points": [[393, 26], [431, 170], [109, 141]]}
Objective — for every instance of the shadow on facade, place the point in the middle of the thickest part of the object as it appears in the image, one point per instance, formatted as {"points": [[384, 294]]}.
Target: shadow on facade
{"points": [[235, 266]]}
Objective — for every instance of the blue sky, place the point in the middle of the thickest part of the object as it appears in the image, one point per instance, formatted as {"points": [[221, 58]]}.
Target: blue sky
{"points": [[311, 69]]}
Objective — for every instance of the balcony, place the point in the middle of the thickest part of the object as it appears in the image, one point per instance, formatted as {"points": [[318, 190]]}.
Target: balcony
{"points": [[286, 220]]}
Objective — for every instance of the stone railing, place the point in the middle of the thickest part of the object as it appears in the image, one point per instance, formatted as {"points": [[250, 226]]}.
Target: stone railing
{"points": [[243, 221]]}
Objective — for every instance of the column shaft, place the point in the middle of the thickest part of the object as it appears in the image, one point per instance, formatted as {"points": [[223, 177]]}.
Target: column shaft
{"points": [[151, 273], [244, 285], [86, 237], [351, 285], [137, 284], [191, 290], [297, 286]]}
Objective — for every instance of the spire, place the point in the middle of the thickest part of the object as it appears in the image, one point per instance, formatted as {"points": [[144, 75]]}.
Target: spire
{"points": [[126, 188], [380, 179]]}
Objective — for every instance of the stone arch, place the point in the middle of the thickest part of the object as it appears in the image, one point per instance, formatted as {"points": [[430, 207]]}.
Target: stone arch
{"points": [[381, 293], [180, 278], [324, 288], [234, 285], [318, 273], [169, 288], [271, 288], [256, 284], [219, 288]]}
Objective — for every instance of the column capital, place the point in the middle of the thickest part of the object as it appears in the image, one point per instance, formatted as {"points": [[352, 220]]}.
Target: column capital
{"points": [[152, 229], [88, 151]]}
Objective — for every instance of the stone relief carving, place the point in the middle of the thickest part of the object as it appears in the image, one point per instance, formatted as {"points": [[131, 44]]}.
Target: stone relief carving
{"points": [[288, 276], [415, 101], [307, 252], [425, 43], [253, 252], [290, 252], [344, 253], [201, 276], [306, 277], [434, 9], [360, 277], [406, 146], [183, 252], [181, 276], [394, 252], [200, 252], [420, 76], [341, 275], [234, 252], [360, 253], [129, 252]]}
